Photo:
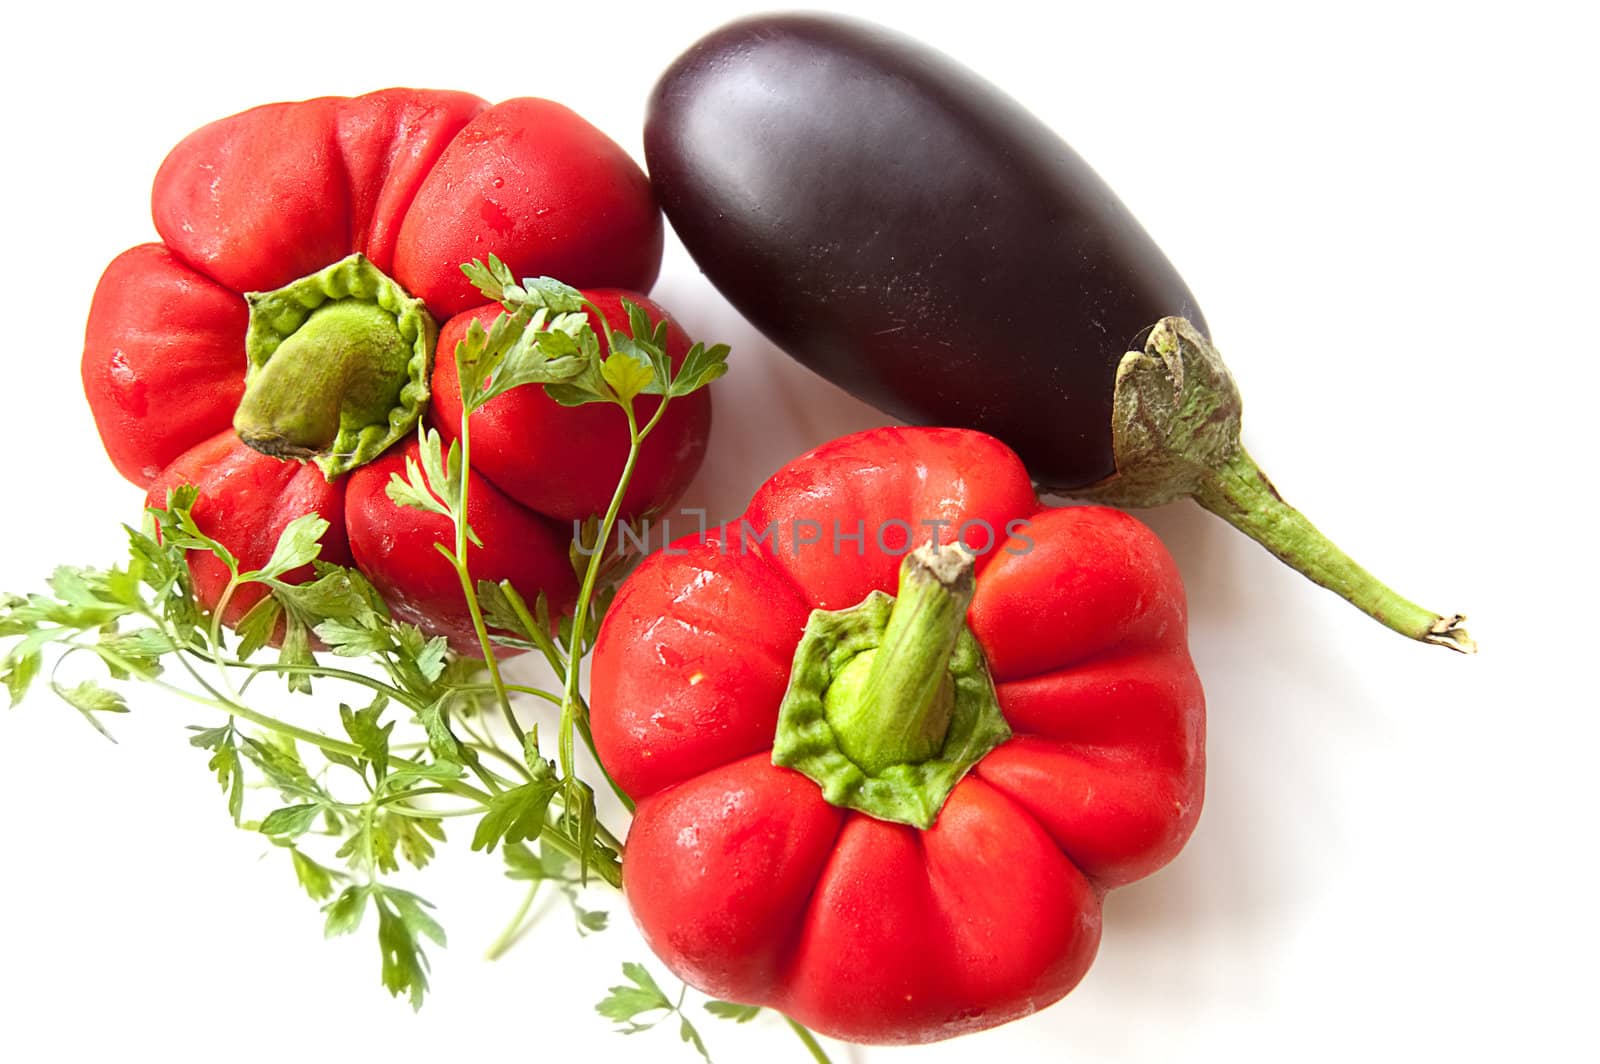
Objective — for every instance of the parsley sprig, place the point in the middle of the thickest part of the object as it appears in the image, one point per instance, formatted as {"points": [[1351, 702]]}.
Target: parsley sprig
{"points": [[415, 745], [641, 1005]]}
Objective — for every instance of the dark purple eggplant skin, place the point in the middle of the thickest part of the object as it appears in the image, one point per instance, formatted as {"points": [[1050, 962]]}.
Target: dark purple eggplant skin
{"points": [[908, 231]]}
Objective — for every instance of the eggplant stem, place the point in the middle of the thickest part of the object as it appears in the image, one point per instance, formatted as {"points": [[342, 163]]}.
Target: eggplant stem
{"points": [[1240, 493], [1175, 430]]}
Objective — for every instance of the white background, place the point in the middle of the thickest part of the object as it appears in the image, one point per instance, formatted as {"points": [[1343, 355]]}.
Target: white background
{"points": [[1386, 211]]}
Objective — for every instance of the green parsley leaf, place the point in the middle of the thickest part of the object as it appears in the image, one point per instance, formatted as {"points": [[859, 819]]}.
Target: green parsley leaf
{"points": [[629, 370], [280, 763], [298, 544], [423, 771], [345, 912], [256, 627], [290, 821], [362, 727], [518, 349], [729, 1010], [140, 649], [352, 641], [442, 742], [413, 834], [687, 1032], [491, 279], [700, 367], [587, 386], [178, 527], [222, 742], [590, 921], [516, 815], [161, 567], [19, 673], [337, 593], [551, 294], [431, 658], [295, 652], [412, 490], [371, 844], [90, 698], [513, 624], [624, 1004], [641, 328], [313, 877], [401, 923], [72, 587]]}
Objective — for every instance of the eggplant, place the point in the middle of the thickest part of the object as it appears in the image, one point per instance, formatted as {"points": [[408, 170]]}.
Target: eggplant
{"points": [[896, 223]]}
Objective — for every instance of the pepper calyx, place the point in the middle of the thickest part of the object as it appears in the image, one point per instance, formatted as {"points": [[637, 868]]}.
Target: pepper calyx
{"points": [[890, 701], [339, 367]]}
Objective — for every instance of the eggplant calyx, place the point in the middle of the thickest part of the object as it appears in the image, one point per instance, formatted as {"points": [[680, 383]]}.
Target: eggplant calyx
{"points": [[1174, 419], [1175, 433]]}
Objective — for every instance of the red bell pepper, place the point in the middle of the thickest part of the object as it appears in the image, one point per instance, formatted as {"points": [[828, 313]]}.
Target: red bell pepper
{"points": [[895, 819], [254, 322]]}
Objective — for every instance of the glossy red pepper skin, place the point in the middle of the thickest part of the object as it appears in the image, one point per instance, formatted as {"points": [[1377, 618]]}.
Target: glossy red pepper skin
{"points": [[419, 181], [246, 500], [750, 886]]}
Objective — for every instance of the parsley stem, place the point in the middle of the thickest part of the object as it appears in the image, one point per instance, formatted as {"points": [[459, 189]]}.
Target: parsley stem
{"points": [[570, 707], [262, 720], [535, 691], [463, 789], [320, 671], [217, 700], [283, 727], [809, 1040], [161, 626], [588, 740], [540, 637], [214, 630], [604, 835], [407, 795], [483, 744], [431, 814], [558, 662], [458, 514], [516, 928], [610, 871]]}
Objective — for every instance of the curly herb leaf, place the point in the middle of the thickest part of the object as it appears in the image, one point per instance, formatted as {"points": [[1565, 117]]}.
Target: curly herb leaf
{"points": [[517, 815], [729, 1010], [624, 1005], [290, 821]]}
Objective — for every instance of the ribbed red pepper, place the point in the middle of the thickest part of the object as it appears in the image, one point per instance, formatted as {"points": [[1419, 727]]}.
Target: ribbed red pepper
{"points": [[418, 182], [752, 885]]}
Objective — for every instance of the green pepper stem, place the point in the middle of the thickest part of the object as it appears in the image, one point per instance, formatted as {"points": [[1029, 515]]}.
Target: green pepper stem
{"points": [[892, 705], [1240, 493], [346, 364], [339, 365]]}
